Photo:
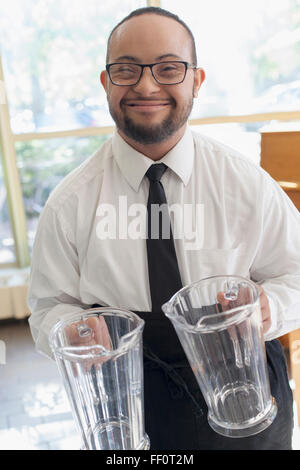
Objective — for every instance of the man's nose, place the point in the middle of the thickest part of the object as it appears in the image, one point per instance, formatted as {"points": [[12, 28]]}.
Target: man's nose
{"points": [[147, 83]]}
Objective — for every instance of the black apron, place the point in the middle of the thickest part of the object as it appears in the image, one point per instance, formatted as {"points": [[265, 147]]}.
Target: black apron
{"points": [[175, 410]]}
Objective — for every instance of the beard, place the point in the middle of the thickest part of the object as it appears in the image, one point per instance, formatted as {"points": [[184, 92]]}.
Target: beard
{"points": [[156, 133]]}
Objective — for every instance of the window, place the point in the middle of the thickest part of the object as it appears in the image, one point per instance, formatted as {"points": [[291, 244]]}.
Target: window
{"points": [[52, 54], [7, 244], [250, 51], [43, 164], [52, 58]]}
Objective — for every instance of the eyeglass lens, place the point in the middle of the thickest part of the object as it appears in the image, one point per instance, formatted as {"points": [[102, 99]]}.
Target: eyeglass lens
{"points": [[164, 72]]}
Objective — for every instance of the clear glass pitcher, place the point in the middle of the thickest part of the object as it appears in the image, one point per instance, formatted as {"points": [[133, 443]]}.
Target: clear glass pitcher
{"points": [[218, 322], [100, 357]]}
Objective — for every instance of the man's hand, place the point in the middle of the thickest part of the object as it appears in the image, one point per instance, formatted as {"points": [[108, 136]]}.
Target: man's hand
{"points": [[90, 332], [264, 306], [265, 309]]}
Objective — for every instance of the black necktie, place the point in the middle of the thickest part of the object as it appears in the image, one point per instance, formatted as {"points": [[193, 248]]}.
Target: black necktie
{"points": [[164, 276]]}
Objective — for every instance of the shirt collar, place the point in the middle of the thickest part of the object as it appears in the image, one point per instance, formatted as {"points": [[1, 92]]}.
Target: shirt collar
{"points": [[134, 164]]}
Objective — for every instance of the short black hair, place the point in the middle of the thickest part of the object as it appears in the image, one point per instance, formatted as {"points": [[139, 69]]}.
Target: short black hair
{"points": [[155, 11]]}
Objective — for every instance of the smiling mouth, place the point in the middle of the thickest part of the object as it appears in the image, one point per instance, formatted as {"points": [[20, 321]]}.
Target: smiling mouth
{"points": [[146, 104]]}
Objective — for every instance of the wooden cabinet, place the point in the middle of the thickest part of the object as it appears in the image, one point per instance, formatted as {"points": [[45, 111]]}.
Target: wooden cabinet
{"points": [[280, 157]]}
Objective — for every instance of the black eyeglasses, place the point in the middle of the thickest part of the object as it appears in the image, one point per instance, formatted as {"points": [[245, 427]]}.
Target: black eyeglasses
{"points": [[165, 73]]}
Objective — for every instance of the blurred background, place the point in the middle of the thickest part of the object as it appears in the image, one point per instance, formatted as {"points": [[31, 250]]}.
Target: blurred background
{"points": [[53, 115]]}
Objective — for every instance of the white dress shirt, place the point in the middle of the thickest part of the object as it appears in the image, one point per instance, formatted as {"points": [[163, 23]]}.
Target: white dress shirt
{"points": [[244, 225]]}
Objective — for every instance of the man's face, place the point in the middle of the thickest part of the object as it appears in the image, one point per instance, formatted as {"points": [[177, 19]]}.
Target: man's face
{"points": [[149, 112]]}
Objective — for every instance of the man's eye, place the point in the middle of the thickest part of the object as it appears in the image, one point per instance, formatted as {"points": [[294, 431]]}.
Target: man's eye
{"points": [[125, 69], [168, 68]]}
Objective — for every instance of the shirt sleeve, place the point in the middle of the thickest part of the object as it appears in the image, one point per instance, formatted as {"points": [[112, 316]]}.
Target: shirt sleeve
{"points": [[277, 262], [54, 278]]}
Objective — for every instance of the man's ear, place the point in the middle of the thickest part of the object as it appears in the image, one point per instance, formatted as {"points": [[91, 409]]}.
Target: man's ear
{"points": [[103, 79], [198, 80]]}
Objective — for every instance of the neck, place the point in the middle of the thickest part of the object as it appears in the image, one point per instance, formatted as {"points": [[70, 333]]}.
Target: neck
{"points": [[155, 151]]}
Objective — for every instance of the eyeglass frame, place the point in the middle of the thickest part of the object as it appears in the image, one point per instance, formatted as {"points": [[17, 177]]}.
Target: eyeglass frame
{"points": [[142, 66]]}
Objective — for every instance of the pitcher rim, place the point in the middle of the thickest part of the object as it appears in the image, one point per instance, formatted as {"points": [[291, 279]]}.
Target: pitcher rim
{"points": [[64, 320], [166, 307]]}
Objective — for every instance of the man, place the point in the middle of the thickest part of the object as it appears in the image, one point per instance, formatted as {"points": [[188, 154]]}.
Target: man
{"points": [[248, 228]]}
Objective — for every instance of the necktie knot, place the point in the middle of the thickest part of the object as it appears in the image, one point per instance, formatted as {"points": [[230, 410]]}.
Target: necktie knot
{"points": [[155, 172]]}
